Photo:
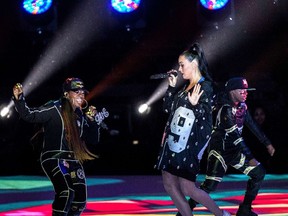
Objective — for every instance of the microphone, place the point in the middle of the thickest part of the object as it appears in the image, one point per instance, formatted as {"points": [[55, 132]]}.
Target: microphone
{"points": [[164, 75]]}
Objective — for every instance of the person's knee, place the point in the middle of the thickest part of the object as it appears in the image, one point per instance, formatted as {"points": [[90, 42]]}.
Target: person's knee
{"points": [[258, 173], [169, 187], [168, 181], [261, 171], [68, 195], [209, 185], [63, 201]]}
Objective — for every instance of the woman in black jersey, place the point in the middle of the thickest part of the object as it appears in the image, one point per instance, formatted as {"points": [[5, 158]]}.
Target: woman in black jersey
{"points": [[187, 131]]}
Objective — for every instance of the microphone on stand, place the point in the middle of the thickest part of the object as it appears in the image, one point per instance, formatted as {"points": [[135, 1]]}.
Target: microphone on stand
{"points": [[164, 75]]}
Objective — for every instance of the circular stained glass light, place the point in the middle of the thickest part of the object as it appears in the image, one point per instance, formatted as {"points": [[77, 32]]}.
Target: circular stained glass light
{"points": [[213, 4], [36, 6], [125, 6]]}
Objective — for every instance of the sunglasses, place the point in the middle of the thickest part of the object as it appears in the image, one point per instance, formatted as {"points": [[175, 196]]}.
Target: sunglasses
{"points": [[78, 91]]}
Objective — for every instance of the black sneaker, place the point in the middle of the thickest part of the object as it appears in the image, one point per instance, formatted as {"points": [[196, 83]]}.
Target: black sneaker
{"points": [[192, 205], [245, 210]]}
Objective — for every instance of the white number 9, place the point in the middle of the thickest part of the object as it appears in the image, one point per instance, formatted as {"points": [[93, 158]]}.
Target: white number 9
{"points": [[180, 126]]}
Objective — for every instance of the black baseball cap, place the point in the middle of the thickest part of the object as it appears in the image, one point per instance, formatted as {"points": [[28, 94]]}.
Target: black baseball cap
{"points": [[237, 83], [73, 84]]}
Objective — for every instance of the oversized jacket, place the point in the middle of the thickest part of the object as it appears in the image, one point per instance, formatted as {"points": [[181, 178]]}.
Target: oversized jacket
{"points": [[49, 115], [227, 133], [187, 131]]}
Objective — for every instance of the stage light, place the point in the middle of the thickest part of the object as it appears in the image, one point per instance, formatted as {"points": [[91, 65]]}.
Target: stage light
{"points": [[135, 142], [143, 108], [39, 19], [37, 6], [128, 15], [6, 110], [125, 6], [215, 13], [213, 4]]}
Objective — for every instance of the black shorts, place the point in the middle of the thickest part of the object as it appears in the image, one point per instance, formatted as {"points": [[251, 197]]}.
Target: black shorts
{"points": [[181, 173]]}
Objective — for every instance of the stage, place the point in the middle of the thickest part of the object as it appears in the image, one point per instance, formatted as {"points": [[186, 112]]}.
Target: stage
{"points": [[136, 195]]}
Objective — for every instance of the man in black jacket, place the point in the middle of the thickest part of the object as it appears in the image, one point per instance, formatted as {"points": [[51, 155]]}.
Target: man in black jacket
{"points": [[227, 146]]}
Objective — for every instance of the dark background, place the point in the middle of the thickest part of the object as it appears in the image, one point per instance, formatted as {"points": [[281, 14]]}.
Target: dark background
{"points": [[117, 57]]}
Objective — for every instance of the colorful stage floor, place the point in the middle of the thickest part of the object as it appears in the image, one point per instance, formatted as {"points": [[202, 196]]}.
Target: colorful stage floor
{"points": [[136, 195]]}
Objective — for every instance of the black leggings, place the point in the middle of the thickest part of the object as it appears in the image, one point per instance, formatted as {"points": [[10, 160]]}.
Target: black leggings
{"points": [[69, 182]]}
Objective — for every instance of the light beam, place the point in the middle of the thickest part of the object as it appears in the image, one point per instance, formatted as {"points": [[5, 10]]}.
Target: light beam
{"points": [[83, 26]]}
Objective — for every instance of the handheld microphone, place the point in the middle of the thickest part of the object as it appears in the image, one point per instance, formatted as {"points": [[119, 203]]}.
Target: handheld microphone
{"points": [[164, 75]]}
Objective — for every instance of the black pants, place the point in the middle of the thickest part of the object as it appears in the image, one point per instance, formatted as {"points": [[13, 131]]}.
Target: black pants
{"points": [[69, 182], [217, 166]]}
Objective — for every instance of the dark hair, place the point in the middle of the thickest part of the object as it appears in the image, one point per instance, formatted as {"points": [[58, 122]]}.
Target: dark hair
{"points": [[75, 143], [196, 52]]}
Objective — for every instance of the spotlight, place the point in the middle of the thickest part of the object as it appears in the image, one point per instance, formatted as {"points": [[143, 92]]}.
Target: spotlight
{"points": [[128, 15], [143, 108], [37, 6], [213, 4], [215, 12], [39, 17], [135, 142], [125, 6], [6, 110]]}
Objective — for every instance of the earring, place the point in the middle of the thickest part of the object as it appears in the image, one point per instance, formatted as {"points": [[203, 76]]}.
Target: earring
{"points": [[66, 94], [86, 104]]}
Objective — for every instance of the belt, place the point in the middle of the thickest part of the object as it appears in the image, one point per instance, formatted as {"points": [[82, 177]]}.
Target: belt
{"points": [[59, 155]]}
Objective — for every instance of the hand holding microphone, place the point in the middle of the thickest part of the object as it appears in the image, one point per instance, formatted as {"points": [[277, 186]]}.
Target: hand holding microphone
{"points": [[91, 112], [165, 75], [172, 78], [96, 116]]}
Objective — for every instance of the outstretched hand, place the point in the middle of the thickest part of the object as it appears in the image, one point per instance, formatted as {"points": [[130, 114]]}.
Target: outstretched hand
{"points": [[195, 94], [17, 90]]}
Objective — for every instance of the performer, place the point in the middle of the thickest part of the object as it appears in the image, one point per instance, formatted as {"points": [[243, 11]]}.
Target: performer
{"points": [[67, 130], [187, 131], [227, 146]]}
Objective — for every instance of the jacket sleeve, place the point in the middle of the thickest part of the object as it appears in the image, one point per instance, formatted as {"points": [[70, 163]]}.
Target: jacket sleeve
{"points": [[32, 115], [91, 133], [256, 130], [168, 99]]}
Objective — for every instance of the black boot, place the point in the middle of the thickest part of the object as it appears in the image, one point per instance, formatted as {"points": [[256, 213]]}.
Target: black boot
{"points": [[245, 210], [192, 205]]}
